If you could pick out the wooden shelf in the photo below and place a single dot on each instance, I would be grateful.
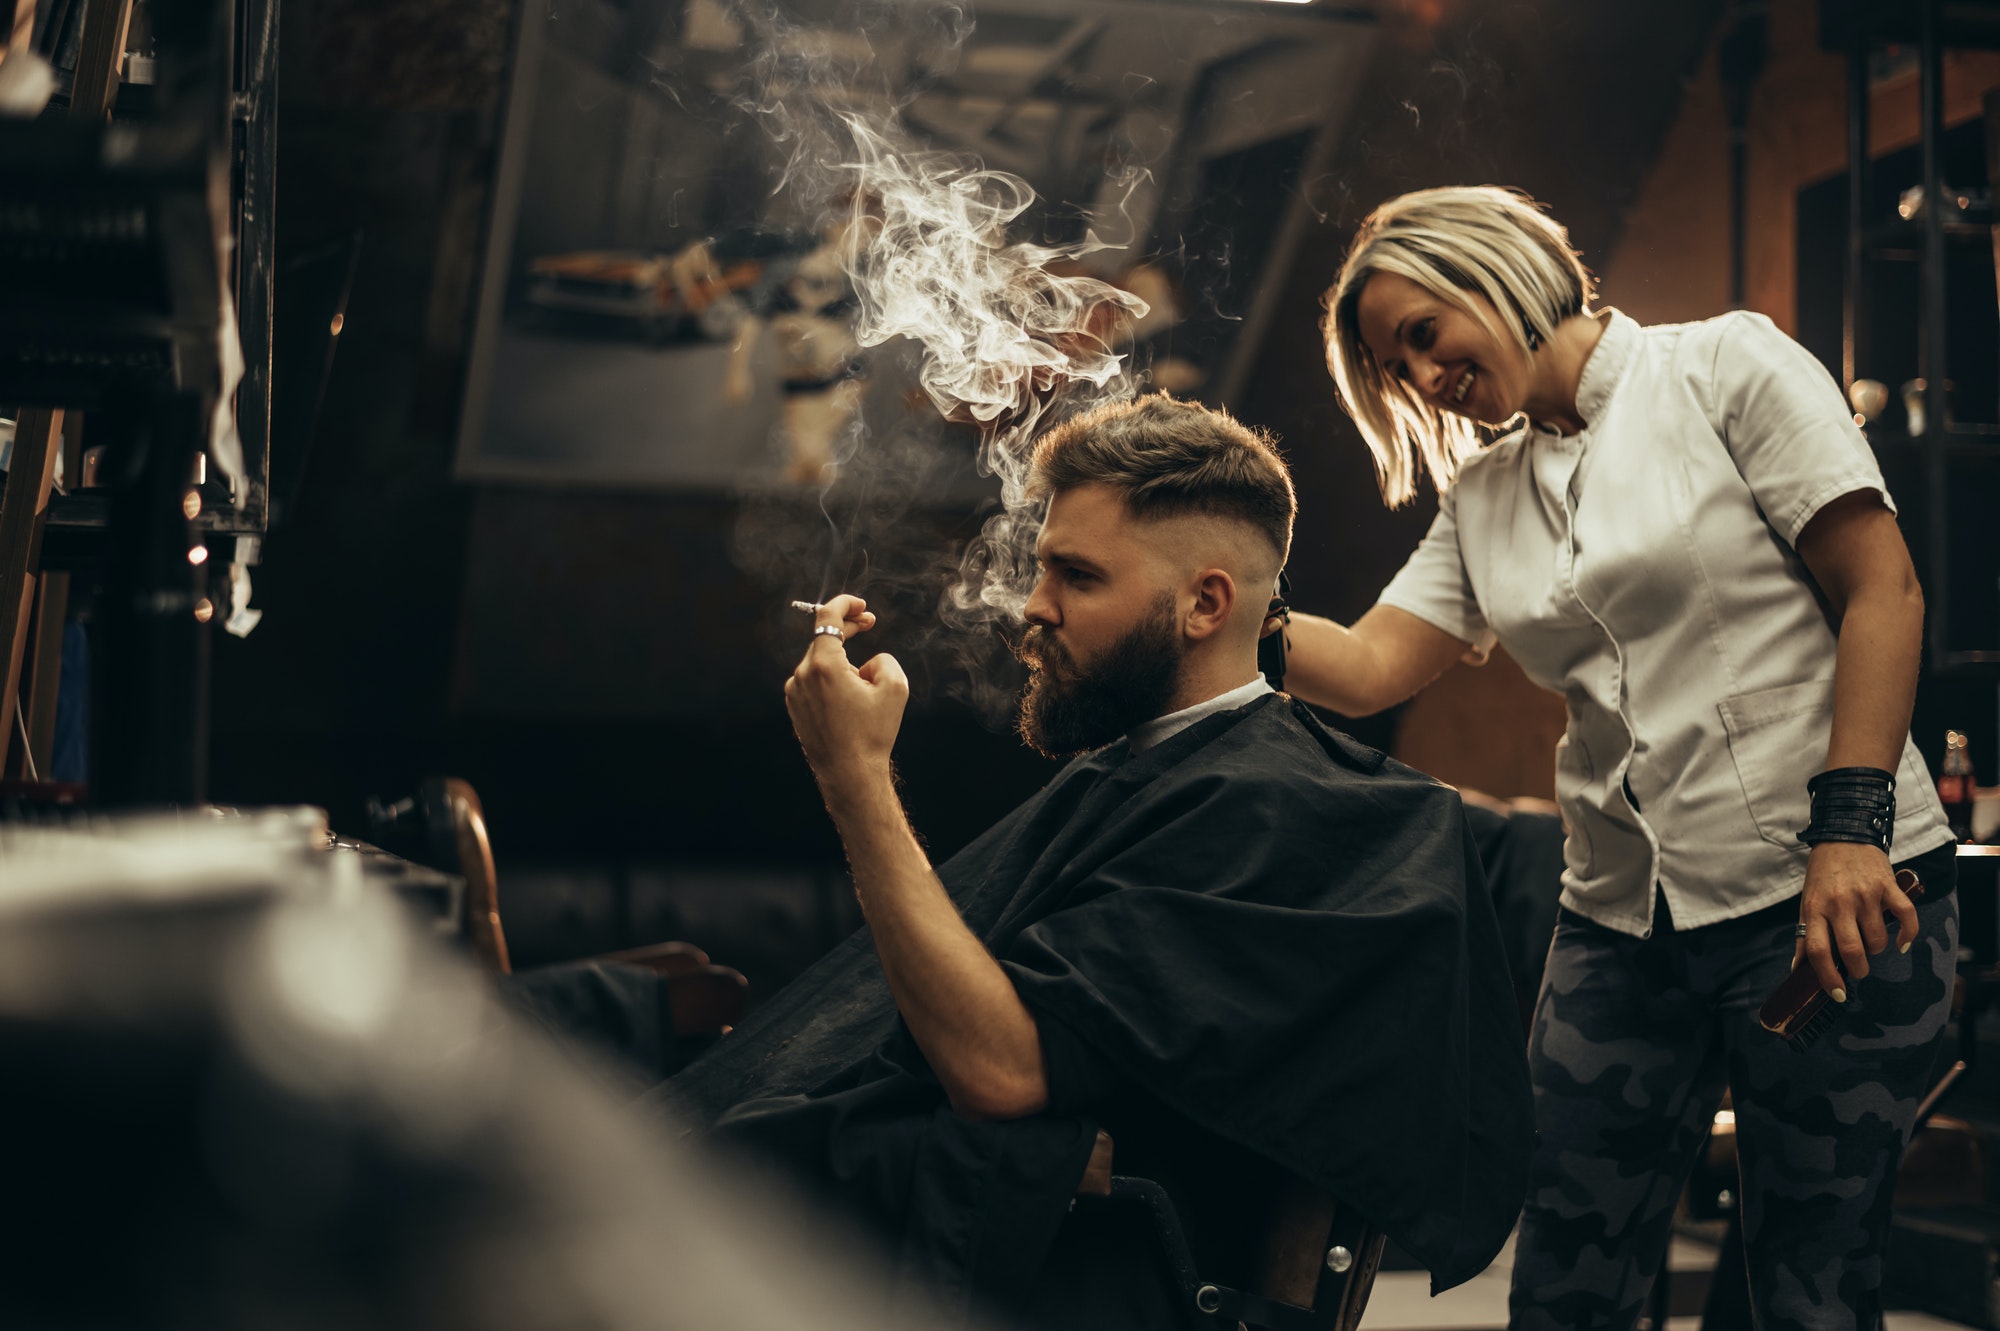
(1960, 441)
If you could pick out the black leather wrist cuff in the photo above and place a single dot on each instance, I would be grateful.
(1842, 776)
(1855, 804)
(1858, 838)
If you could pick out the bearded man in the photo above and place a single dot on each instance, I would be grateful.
(1242, 943)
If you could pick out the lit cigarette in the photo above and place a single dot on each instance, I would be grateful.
(807, 606)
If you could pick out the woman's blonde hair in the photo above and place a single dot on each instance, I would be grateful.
(1453, 242)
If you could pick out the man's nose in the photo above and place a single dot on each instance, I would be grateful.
(1041, 607)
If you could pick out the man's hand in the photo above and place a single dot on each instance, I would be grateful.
(1849, 886)
(846, 719)
(961, 1008)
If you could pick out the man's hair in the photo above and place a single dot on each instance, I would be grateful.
(1453, 242)
(1171, 459)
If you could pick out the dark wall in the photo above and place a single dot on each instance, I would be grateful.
(1966, 598)
(1569, 101)
(386, 121)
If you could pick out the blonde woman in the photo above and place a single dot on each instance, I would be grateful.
(1681, 531)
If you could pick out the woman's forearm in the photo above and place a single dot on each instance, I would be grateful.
(1384, 658)
(1855, 553)
(1848, 890)
(1875, 676)
(1327, 665)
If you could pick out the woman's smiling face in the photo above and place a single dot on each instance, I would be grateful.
(1445, 354)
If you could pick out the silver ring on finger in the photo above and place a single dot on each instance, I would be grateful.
(829, 630)
(1798, 931)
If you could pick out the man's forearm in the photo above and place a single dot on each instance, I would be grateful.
(964, 1012)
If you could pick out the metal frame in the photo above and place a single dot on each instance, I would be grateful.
(254, 116)
(1352, 1254)
(139, 227)
(1858, 26)
(247, 103)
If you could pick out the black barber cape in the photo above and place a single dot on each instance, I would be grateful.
(1267, 929)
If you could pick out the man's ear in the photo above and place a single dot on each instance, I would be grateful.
(1214, 602)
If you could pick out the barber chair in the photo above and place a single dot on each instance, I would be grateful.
(707, 999)
(444, 826)
(1316, 1259)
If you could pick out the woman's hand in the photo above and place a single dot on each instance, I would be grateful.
(1849, 888)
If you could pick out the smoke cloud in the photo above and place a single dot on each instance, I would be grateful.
(1009, 335)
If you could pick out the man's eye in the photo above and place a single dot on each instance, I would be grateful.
(1077, 575)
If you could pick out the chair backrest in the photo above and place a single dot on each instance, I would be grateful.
(1347, 1260)
(1318, 1264)
(444, 826)
(1295, 1245)
(1317, 1260)
(465, 819)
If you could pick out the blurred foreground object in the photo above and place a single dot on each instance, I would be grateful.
(251, 1092)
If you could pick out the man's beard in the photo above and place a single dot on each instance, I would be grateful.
(1066, 710)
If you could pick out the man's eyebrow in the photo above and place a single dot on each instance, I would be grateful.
(1070, 558)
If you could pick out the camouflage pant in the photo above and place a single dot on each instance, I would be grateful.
(1634, 1040)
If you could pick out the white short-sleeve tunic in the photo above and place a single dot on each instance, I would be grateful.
(1644, 569)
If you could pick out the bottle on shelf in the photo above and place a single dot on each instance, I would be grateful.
(1955, 785)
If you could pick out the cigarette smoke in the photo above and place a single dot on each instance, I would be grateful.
(1002, 335)
(1010, 336)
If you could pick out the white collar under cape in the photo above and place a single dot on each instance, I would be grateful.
(1145, 735)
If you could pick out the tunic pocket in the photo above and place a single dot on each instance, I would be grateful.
(1777, 738)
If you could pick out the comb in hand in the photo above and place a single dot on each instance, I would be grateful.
(1801, 1011)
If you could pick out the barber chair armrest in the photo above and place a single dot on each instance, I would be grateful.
(674, 958)
(709, 1001)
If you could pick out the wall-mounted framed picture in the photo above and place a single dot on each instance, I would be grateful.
(661, 308)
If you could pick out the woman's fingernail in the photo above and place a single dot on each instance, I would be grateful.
(1795, 963)
(1838, 995)
(1906, 945)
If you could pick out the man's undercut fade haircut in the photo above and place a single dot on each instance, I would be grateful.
(1172, 459)
(1453, 242)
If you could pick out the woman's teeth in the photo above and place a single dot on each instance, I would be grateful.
(1464, 387)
